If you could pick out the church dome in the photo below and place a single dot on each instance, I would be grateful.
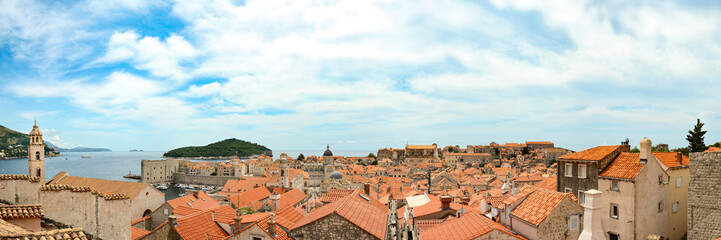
(327, 151)
(336, 175)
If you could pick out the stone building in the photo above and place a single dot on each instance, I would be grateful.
(676, 166)
(319, 172)
(355, 216)
(539, 145)
(36, 154)
(578, 172)
(704, 215)
(635, 196)
(463, 158)
(143, 197)
(415, 154)
(158, 171)
(542, 214)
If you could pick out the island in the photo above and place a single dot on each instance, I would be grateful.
(224, 149)
(84, 149)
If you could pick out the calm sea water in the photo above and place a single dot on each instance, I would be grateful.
(114, 165)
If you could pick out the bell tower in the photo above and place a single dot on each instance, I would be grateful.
(36, 154)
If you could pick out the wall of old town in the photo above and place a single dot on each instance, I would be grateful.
(148, 200)
(332, 226)
(574, 183)
(556, 225)
(19, 189)
(201, 180)
(158, 171)
(704, 197)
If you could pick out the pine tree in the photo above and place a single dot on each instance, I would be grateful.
(695, 138)
(301, 157)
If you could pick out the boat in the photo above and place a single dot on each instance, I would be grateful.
(86, 156)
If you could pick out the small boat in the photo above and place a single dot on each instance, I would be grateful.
(86, 156)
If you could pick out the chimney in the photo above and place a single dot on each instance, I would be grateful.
(237, 223)
(446, 202)
(592, 229)
(465, 200)
(367, 189)
(173, 221)
(274, 201)
(195, 194)
(271, 225)
(645, 150)
(173, 233)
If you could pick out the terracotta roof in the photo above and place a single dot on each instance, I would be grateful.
(467, 154)
(335, 194)
(201, 201)
(18, 177)
(137, 233)
(625, 166)
(255, 217)
(199, 226)
(104, 195)
(536, 207)
(470, 225)
(713, 149)
(291, 198)
(549, 183)
(131, 189)
(247, 197)
(369, 215)
(421, 146)
(21, 211)
(243, 184)
(672, 159)
(538, 142)
(431, 207)
(528, 178)
(592, 154)
(9, 231)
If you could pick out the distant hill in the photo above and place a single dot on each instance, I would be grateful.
(14, 144)
(83, 149)
(226, 148)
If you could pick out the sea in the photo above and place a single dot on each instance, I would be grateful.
(114, 165)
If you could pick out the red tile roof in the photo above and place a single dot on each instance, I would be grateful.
(625, 166)
(243, 184)
(137, 233)
(470, 225)
(200, 201)
(334, 194)
(713, 149)
(369, 215)
(291, 198)
(672, 159)
(538, 205)
(21, 211)
(549, 183)
(199, 226)
(245, 198)
(431, 207)
(592, 154)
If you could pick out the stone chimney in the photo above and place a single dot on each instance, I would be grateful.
(271, 225)
(446, 202)
(237, 224)
(645, 150)
(172, 233)
(274, 201)
(592, 229)
(367, 189)
(173, 221)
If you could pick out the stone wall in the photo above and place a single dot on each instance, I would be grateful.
(105, 219)
(158, 171)
(496, 235)
(329, 227)
(18, 189)
(164, 232)
(574, 183)
(556, 225)
(704, 196)
(201, 180)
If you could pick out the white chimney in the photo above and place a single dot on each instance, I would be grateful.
(645, 149)
(592, 229)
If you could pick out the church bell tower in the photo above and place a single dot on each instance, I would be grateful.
(36, 154)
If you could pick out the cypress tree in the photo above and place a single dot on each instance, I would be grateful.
(695, 138)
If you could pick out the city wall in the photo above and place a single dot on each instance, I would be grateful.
(201, 180)
(704, 198)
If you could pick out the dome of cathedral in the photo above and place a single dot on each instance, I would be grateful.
(336, 175)
(327, 151)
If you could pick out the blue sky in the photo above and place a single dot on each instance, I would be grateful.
(360, 74)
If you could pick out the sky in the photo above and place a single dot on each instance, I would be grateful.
(360, 75)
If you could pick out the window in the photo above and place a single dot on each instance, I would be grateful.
(38, 172)
(165, 211)
(568, 190)
(660, 206)
(679, 182)
(257, 238)
(581, 197)
(573, 223)
(661, 179)
(582, 171)
(612, 236)
(569, 170)
(614, 185)
(674, 207)
(614, 211)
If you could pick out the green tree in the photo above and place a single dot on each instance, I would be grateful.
(635, 150)
(683, 150)
(695, 138)
(301, 157)
(717, 144)
(525, 151)
(371, 155)
(375, 162)
(245, 210)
